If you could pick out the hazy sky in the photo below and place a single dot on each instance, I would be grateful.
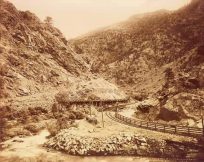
(77, 17)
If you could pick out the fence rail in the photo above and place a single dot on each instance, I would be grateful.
(180, 130)
(98, 101)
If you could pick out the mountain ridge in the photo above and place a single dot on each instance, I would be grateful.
(137, 54)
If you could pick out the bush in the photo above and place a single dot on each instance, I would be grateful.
(33, 128)
(2, 49)
(78, 115)
(41, 110)
(3, 93)
(63, 122)
(59, 110)
(3, 73)
(3, 122)
(53, 128)
(3, 70)
(37, 111)
(92, 120)
(140, 96)
(14, 61)
(62, 98)
(70, 116)
(144, 108)
(21, 115)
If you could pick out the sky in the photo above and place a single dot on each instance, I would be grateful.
(78, 17)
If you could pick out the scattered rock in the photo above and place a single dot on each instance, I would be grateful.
(120, 144)
(18, 140)
(24, 91)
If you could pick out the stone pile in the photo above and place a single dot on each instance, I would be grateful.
(120, 144)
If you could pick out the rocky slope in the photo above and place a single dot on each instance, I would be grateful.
(36, 60)
(138, 53)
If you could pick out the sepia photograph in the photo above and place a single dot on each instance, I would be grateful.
(101, 80)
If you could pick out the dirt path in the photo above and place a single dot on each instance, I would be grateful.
(128, 113)
(25, 147)
(114, 127)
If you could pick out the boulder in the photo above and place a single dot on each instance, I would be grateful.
(24, 91)
(182, 106)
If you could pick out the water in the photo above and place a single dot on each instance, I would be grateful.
(120, 159)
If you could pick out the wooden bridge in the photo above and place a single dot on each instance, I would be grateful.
(166, 128)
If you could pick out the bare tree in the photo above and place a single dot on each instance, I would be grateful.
(48, 20)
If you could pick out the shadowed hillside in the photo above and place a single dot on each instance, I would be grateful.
(137, 55)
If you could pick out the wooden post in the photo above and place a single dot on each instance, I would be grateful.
(201, 113)
(188, 130)
(102, 114)
(155, 126)
(203, 124)
(116, 110)
(164, 129)
(202, 119)
(90, 108)
(175, 129)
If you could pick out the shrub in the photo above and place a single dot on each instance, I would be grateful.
(2, 49)
(14, 60)
(48, 20)
(3, 122)
(140, 96)
(78, 115)
(20, 114)
(3, 73)
(62, 98)
(92, 120)
(169, 75)
(3, 70)
(37, 111)
(53, 128)
(71, 116)
(3, 93)
(41, 110)
(144, 108)
(33, 128)
(35, 118)
(63, 122)
(56, 110)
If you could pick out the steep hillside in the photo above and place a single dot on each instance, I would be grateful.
(137, 54)
(36, 60)
(142, 44)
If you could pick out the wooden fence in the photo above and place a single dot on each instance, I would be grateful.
(97, 101)
(180, 130)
